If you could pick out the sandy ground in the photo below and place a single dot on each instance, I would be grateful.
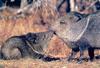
(30, 63)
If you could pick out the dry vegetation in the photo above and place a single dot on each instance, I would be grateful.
(32, 23)
(30, 63)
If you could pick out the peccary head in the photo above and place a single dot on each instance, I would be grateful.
(70, 27)
(39, 41)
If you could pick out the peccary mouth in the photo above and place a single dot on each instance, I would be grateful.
(55, 33)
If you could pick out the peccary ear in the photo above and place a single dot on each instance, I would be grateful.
(29, 37)
(76, 16)
(78, 29)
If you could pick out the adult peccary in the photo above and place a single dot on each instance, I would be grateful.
(79, 34)
(29, 45)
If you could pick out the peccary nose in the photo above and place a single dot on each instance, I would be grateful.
(54, 32)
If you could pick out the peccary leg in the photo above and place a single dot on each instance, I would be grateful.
(81, 56)
(91, 53)
(71, 57)
(24, 51)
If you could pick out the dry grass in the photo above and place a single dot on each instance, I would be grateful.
(17, 27)
(32, 23)
(31, 63)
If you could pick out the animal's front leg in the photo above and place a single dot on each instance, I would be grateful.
(24, 51)
(71, 57)
(81, 56)
(91, 53)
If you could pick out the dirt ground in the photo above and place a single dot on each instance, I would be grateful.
(30, 63)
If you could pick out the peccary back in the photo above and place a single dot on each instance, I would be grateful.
(29, 45)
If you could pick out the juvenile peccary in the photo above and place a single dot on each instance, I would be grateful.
(79, 35)
(29, 45)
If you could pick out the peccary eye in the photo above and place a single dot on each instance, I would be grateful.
(62, 22)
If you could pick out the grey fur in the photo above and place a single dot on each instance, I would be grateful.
(80, 35)
(29, 45)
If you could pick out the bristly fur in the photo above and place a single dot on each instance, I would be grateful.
(29, 45)
(70, 29)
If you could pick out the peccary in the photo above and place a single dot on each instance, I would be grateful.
(79, 34)
(29, 45)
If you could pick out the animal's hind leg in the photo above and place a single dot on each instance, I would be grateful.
(71, 57)
(14, 48)
(81, 56)
(10, 53)
(24, 51)
(91, 53)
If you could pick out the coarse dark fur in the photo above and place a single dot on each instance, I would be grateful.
(29, 45)
(69, 27)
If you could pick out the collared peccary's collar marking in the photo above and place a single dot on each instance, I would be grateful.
(70, 29)
(38, 42)
(80, 35)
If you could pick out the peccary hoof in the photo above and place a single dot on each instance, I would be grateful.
(70, 59)
(80, 61)
(91, 60)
